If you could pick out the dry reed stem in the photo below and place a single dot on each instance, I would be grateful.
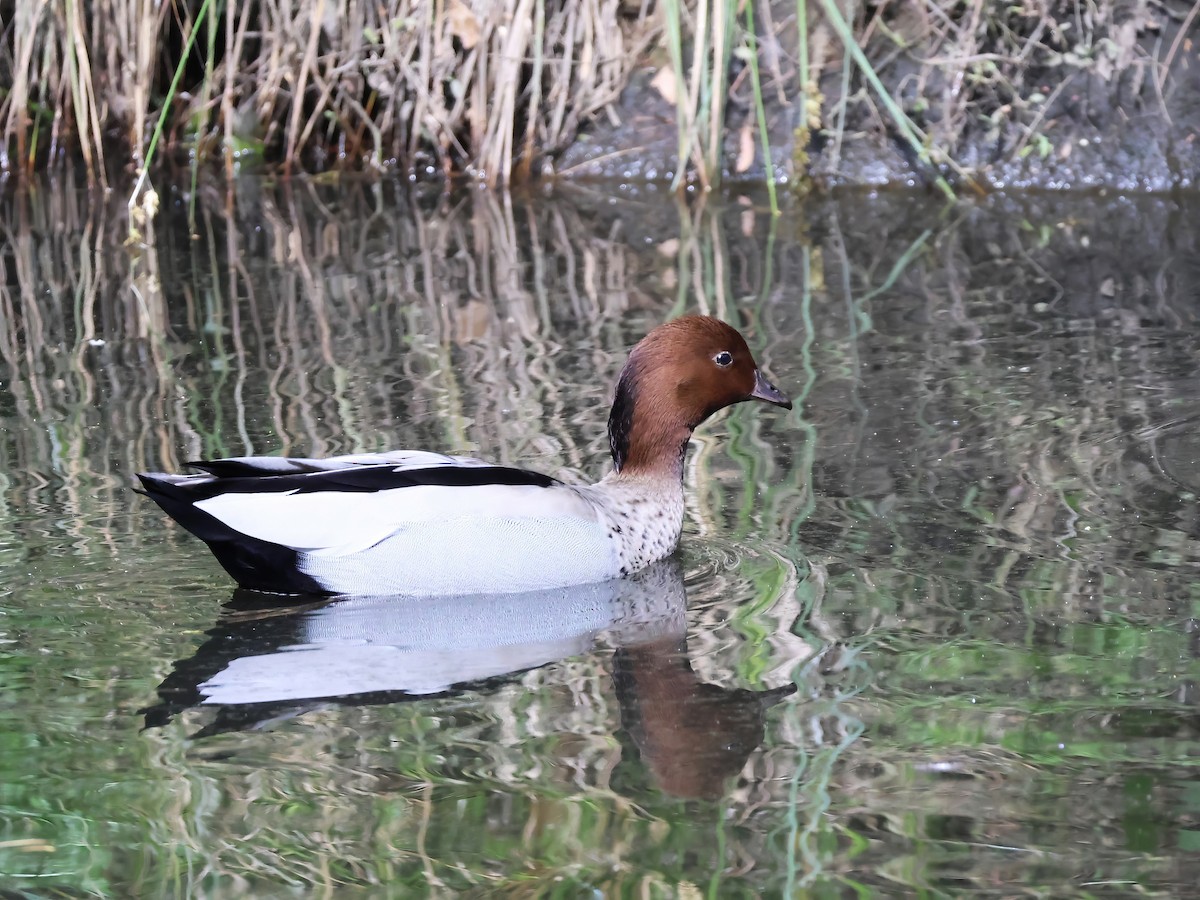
(473, 85)
(488, 87)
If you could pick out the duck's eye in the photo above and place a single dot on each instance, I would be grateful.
(723, 359)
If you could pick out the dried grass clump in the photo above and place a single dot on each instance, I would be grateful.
(472, 86)
(491, 88)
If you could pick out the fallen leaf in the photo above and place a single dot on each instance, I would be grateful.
(745, 157)
(664, 82)
(464, 24)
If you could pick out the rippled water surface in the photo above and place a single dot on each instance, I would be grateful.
(934, 630)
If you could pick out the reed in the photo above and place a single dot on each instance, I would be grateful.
(470, 86)
(493, 89)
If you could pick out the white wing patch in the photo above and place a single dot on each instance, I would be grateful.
(338, 523)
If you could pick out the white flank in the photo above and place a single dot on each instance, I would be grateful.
(337, 523)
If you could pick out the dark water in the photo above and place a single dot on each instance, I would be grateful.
(935, 630)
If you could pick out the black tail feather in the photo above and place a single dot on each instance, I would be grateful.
(253, 563)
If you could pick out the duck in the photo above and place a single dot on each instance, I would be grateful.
(421, 523)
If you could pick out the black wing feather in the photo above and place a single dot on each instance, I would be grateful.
(237, 468)
(357, 479)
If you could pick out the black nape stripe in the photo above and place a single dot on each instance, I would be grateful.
(620, 417)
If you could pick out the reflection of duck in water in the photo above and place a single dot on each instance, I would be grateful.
(264, 663)
(419, 523)
(692, 736)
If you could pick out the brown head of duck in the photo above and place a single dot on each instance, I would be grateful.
(676, 377)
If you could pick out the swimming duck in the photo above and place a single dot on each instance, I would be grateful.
(420, 523)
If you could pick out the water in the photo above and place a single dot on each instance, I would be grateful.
(934, 630)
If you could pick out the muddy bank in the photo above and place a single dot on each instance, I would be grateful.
(1031, 96)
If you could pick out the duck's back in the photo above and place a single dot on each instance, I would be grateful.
(397, 523)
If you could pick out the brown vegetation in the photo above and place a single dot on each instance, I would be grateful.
(496, 90)
(463, 86)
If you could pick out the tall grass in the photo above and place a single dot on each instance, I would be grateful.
(494, 89)
(485, 88)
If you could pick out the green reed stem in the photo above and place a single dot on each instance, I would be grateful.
(166, 107)
(206, 93)
(903, 123)
(802, 50)
(674, 27)
(760, 111)
(715, 79)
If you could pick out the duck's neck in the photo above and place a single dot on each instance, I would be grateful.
(647, 437)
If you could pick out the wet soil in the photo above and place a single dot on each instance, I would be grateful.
(1120, 110)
